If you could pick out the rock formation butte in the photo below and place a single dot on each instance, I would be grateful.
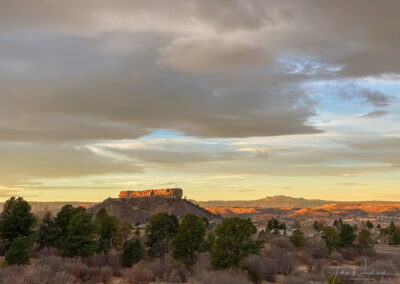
(167, 192)
(139, 206)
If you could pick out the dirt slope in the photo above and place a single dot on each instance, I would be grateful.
(141, 209)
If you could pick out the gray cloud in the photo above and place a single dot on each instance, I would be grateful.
(21, 163)
(126, 96)
(114, 70)
(339, 34)
(374, 114)
(379, 144)
(376, 99)
(372, 98)
(342, 159)
(209, 54)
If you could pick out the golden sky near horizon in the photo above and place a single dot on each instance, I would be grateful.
(226, 99)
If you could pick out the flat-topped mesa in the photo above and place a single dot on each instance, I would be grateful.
(167, 192)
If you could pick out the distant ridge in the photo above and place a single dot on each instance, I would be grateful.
(346, 209)
(282, 201)
(276, 201)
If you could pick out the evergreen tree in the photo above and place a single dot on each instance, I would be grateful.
(209, 242)
(233, 242)
(395, 237)
(16, 220)
(347, 235)
(122, 234)
(107, 227)
(62, 221)
(272, 224)
(369, 225)
(318, 226)
(47, 234)
(160, 229)
(189, 239)
(19, 251)
(331, 238)
(80, 236)
(391, 228)
(206, 221)
(364, 239)
(297, 239)
(133, 252)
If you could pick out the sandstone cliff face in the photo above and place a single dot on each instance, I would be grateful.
(168, 192)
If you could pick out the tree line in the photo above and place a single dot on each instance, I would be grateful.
(74, 232)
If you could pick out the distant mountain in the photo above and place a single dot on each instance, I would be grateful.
(278, 201)
(250, 211)
(350, 209)
(226, 211)
(140, 210)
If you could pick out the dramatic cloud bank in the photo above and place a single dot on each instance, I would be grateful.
(316, 83)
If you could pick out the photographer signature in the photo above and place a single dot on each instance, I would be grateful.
(356, 274)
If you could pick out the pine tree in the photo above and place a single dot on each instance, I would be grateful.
(47, 233)
(16, 220)
(133, 252)
(233, 241)
(189, 239)
(160, 229)
(80, 236)
(19, 251)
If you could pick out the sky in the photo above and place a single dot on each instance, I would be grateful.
(226, 99)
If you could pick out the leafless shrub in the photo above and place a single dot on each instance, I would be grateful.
(98, 271)
(34, 274)
(393, 258)
(350, 253)
(361, 260)
(386, 269)
(163, 268)
(63, 277)
(138, 274)
(371, 254)
(11, 274)
(301, 278)
(316, 248)
(203, 262)
(282, 243)
(261, 267)
(218, 277)
(44, 252)
(337, 257)
(317, 265)
(175, 276)
(112, 259)
(106, 272)
(285, 261)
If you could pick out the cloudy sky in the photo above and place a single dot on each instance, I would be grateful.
(227, 99)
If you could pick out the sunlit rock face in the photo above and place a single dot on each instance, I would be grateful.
(167, 192)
